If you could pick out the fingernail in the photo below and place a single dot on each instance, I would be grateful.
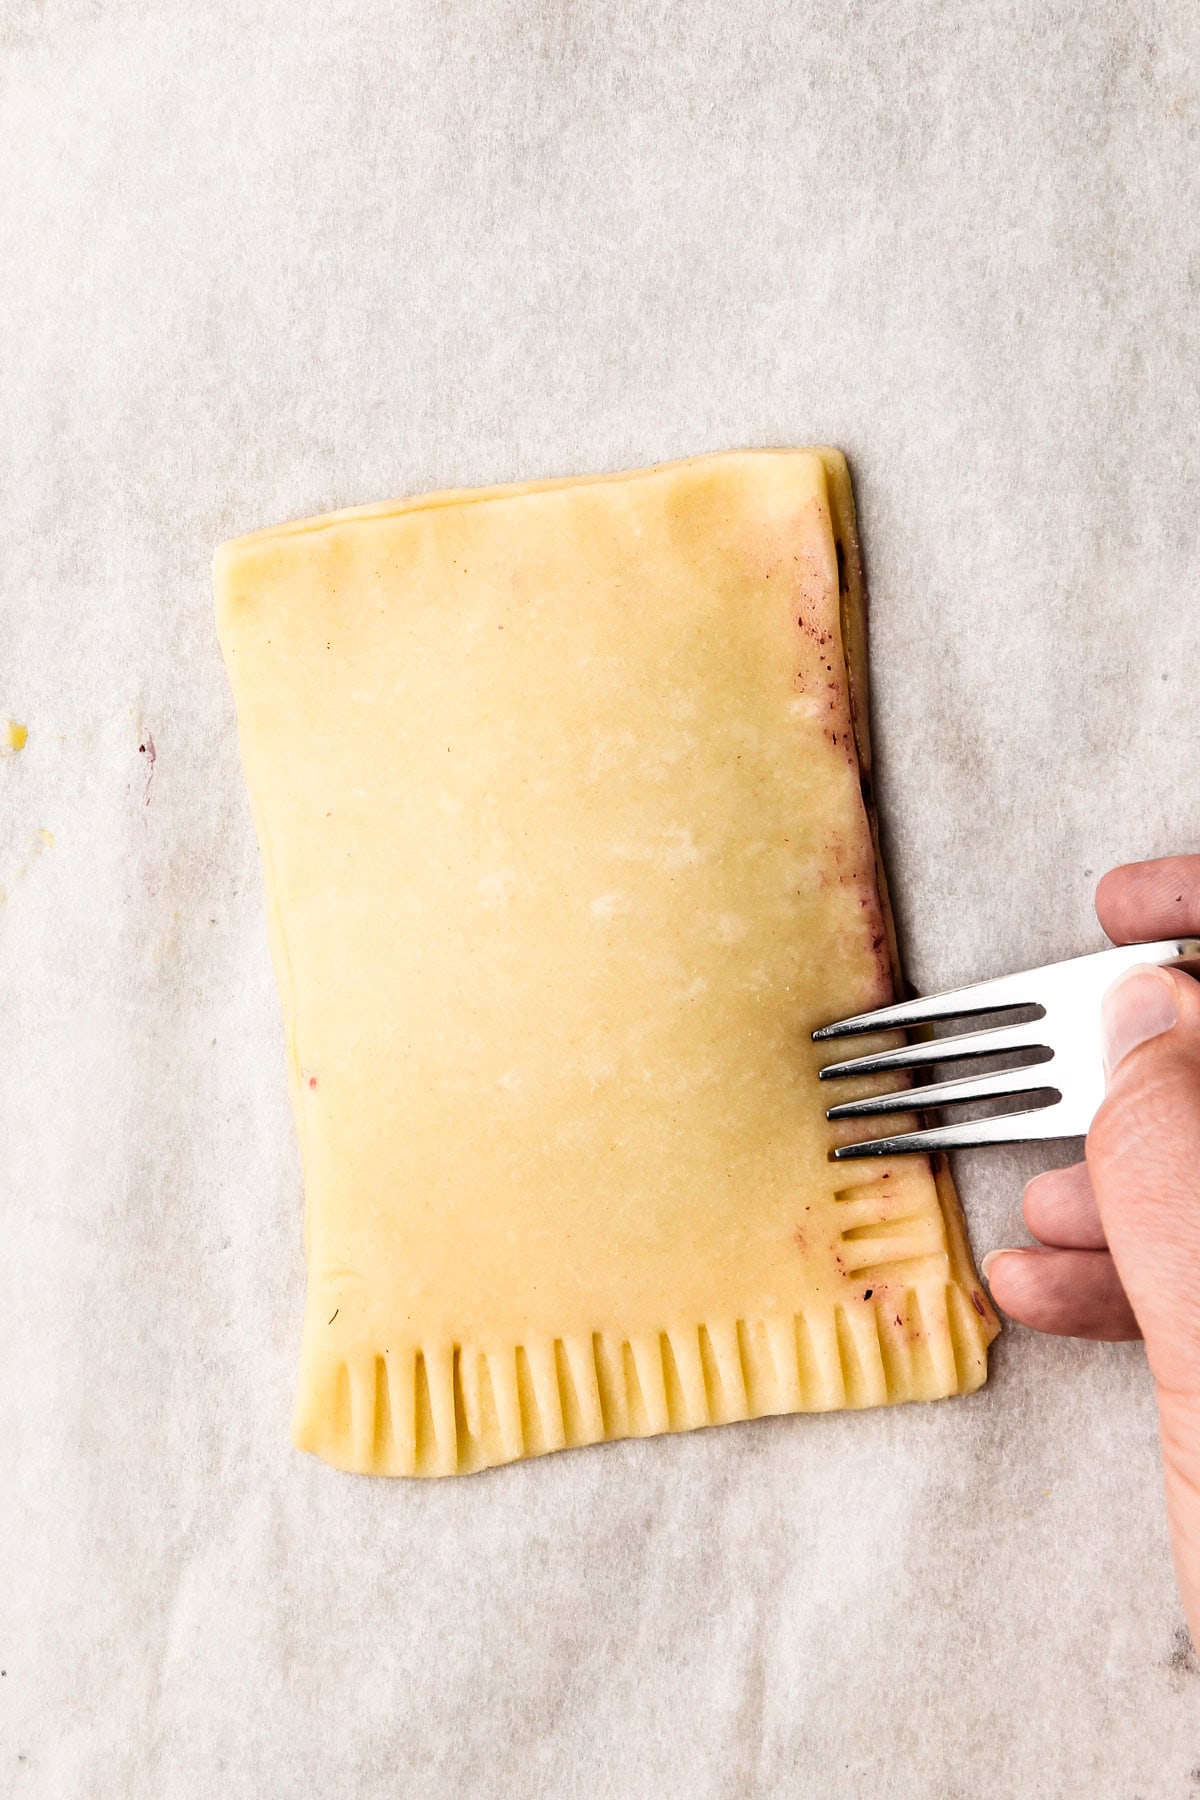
(1139, 1006)
(991, 1257)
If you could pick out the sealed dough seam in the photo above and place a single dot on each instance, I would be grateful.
(454, 1408)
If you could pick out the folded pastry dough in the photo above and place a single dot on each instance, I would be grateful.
(562, 795)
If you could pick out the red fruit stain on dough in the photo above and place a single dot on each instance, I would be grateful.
(977, 1303)
(312, 1081)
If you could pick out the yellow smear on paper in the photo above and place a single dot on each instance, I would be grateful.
(42, 839)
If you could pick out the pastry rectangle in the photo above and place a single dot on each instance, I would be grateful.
(562, 796)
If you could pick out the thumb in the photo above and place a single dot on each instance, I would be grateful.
(1143, 1155)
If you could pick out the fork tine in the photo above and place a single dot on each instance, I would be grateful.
(1004, 1084)
(946, 1049)
(1010, 1128)
(980, 997)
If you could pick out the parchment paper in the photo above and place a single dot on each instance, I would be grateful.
(259, 260)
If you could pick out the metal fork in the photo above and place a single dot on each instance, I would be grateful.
(1062, 1073)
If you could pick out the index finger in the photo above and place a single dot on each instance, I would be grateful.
(1139, 902)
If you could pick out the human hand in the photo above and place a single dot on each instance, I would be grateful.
(1119, 1253)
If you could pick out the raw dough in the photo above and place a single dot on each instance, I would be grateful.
(562, 797)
